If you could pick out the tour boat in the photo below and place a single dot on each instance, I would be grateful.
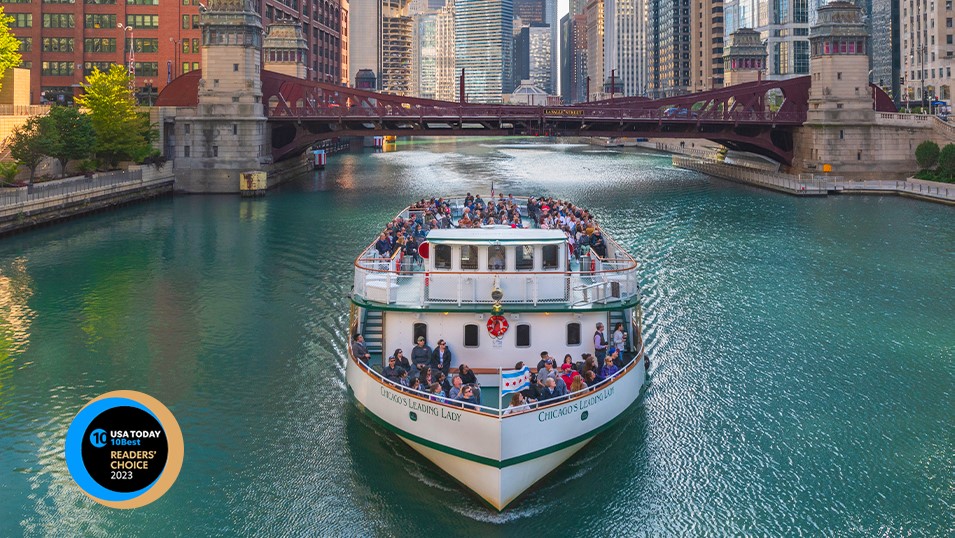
(497, 295)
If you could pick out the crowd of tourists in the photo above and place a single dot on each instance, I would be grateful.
(407, 233)
(429, 370)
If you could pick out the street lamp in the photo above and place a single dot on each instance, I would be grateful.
(132, 53)
(149, 91)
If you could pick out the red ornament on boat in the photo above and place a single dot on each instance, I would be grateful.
(497, 326)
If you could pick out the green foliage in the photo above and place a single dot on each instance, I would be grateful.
(8, 171)
(31, 142)
(74, 134)
(946, 162)
(88, 166)
(9, 45)
(926, 154)
(120, 131)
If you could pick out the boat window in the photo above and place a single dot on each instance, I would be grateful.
(573, 334)
(523, 332)
(495, 258)
(525, 258)
(471, 335)
(442, 256)
(469, 258)
(549, 257)
(419, 329)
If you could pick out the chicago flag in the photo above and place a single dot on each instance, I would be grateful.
(515, 381)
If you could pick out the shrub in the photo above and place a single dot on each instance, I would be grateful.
(946, 162)
(8, 171)
(926, 154)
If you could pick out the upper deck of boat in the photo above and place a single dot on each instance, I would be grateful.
(533, 268)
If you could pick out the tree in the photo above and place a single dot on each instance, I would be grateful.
(9, 45)
(112, 109)
(946, 162)
(926, 154)
(8, 171)
(31, 142)
(74, 136)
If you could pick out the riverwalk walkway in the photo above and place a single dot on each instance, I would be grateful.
(24, 207)
(817, 185)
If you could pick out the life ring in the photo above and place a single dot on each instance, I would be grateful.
(497, 326)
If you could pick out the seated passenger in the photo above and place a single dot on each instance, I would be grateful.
(469, 398)
(467, 376)
(404, 379)
(567, 374)
(550, 391)
(549, 371)
(427, 377)
(383, 245)
(444, 382)
(391, 372)
(568, 360)
(455, 391)
(401, 361)
(414, 383)
(518, 404)
(532, 392)
(578, 383)
(359, 350)
(590, 364)
(437, 395)
(609, 368)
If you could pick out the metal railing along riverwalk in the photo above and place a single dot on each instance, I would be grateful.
(18, 196)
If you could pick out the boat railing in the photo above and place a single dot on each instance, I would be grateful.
(502, 412)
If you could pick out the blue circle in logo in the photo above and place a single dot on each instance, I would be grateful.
(98, 438)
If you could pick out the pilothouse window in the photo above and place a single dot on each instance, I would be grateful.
(525, 258)
(549, 257)
(469, 258)
(495, 258)
(442, 257)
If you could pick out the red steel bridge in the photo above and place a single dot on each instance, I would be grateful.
(302, 112)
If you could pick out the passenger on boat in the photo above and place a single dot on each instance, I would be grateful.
(518, 404)
(437, 395)
(597, 244)
(469, 397)
(551, 390)
(401, 361)
(456, 384)
(549, 371)
(443, 380)
(359, 350)
(414, 384)
(568, 361)
(591, 378)
(467, 376)
(590, 364)
(609, 368)
(421, 355)
(568, 374)
(392, 372)
(619, 337)
(404, 379)
(441, 357)
(383, 245)
(600, 342)
(427, 377)
(544, 356)
(578, 383)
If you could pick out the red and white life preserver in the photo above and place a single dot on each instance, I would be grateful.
(497, 326)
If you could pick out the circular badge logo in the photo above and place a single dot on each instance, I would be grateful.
(124, 449)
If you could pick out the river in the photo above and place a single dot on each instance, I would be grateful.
(803, 378)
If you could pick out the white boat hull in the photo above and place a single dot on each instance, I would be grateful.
(498, 458)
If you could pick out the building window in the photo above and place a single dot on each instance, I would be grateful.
(573, 334)
(235, 67)
(146, 69)
(99, 44)
(21, 20)
(142, 2)
(142, 21)
(59, 20)
(188, 128)
(469, 258)
(101, 2)
(186, 150)
(26, 44)
(195, 45)
(215, 151)
(471, 331)
(523, 333)
(442, 257)
(185, 22)
(57, 69)
(524, 260)
(99, 21)
(57, 44)
(89, 67)
(143, 44)
(842, 134)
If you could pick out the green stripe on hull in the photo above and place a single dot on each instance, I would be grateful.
(492, 462)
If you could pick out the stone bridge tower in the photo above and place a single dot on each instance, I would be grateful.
(227, 134)
(285, 49)
(744, 57)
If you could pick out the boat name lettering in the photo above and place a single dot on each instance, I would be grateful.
(423, 407)
(579, 405)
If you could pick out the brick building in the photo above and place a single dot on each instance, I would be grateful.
(63, 40)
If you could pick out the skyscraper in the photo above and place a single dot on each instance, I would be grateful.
(670, 31)
(625, 45)
(483, 43)
(706, 50)
(886, 49)
(446, 64)
(927, 51)
(539, 59)
(425, 55)
(594, 13)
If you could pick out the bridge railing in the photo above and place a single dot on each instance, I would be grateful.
(475, 112)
